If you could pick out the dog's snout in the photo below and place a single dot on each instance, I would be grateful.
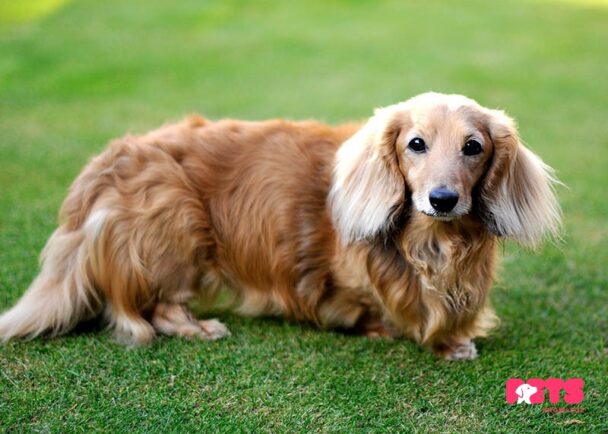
(443, 199)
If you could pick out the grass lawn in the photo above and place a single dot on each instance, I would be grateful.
(74, 77)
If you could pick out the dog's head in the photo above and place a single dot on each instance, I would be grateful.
(446, 157)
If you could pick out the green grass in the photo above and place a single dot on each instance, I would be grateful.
(93, 70)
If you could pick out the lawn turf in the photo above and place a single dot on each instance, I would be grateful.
(74, 77)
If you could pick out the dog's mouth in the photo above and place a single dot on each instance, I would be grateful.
(441, 216)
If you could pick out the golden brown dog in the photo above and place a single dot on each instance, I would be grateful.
(388, 228)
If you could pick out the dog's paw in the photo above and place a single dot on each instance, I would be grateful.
(378, 330)
(463, 351)
(213, 329)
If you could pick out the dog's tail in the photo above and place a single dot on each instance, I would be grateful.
(63, 293)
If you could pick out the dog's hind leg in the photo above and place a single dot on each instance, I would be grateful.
(176, 320)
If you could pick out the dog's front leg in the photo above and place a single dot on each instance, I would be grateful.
(455, 349)
(456, 342)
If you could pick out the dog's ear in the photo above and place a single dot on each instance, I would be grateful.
(517, 197)
(368, 190)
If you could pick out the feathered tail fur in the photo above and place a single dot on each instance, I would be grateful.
(60, 296)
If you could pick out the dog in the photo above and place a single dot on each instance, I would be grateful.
(524, 392)
(386, 228)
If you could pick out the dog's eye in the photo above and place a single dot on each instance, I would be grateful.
(472, 147)
(417, 145)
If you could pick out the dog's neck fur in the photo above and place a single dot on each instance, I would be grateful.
(442, 252)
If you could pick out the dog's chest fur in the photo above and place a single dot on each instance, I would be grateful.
(434, 275)
(445, 258)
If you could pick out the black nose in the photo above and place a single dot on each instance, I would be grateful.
(443, 200)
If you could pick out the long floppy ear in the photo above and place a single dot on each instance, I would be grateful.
(517, 194)
(368, 189)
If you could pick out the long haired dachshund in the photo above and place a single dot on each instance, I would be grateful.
(387, 228)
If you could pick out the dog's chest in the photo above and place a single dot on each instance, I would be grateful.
(448, 266)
